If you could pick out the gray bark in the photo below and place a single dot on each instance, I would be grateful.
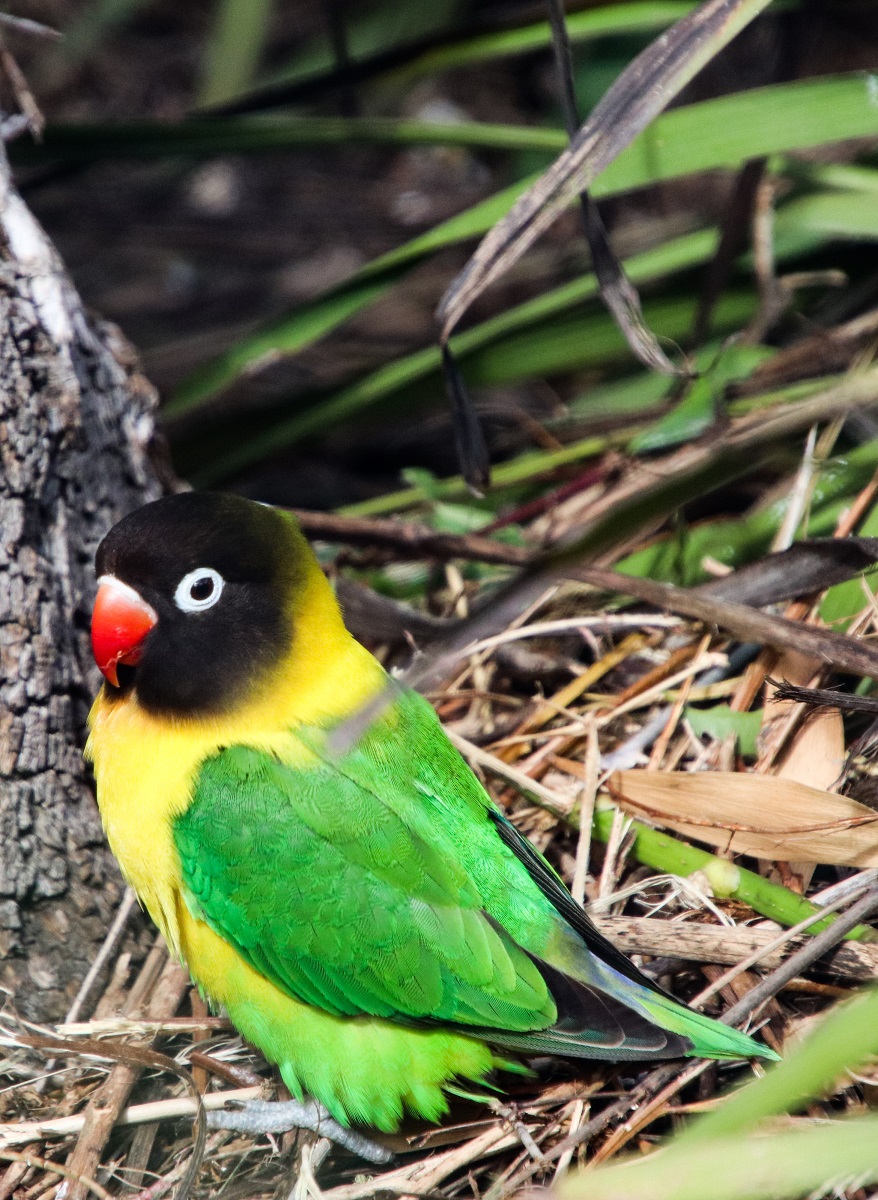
(77, 451)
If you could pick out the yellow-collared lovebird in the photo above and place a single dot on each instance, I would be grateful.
(372, 922)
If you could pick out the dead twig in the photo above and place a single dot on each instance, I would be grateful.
(802, 959)
(691, 941)
(53, 1168)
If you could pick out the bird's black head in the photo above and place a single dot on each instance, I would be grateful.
(196, 601)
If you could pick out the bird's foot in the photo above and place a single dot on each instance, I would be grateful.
(265, 1116)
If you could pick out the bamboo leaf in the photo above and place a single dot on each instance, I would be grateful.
(303, 81)
(608, 20)
(763, 815)
(843, 214)
(536, 338)
(845, 1040)
(741, 1162)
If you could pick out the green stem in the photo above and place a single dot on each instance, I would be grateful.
(667, 854)
(520, 470)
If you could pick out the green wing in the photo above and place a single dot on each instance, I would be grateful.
(343, 902)
(386, 883)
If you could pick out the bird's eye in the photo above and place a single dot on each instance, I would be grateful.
(199, 589)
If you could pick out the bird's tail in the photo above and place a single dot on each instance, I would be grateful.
(709, 1038)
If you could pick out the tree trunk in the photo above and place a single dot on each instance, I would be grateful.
(77, 451)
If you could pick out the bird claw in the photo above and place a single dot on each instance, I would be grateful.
(265, 1116)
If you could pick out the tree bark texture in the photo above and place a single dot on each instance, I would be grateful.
(77, 451)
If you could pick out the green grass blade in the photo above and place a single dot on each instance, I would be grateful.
(206, 137)
(844, 1040)
(695, 138)
(822, 1159)
(537, 337)
(740, 540)
(679, 557)
(851, 215)
(609, 21)
(727, 131)
(280, 337)
(236, 42)
(386, 27)
(842, 602)
(698, 137)
(525, 468)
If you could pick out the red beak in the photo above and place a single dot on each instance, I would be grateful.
(120, 621)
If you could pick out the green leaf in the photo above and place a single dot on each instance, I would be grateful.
(843, 214)
(609, 20)
(720, 721)
(822, 1159)
(733, 541)
(458, 518)
(697, 410)
(630, 396)
(843, 1041)
(714, 133)
(239, 33)
(842, 602)
(203, 137)
(569, 339)
(525, 468)
(283, 336)
(368, 32)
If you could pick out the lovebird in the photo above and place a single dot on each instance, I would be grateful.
(369, 919)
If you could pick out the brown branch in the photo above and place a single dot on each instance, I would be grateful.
(803, 958)
(748, 624)
(83, 1182)
(825, 698)
(856, 962)
(409, 538)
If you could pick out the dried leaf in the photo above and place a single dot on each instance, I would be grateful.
(816, 752)
(639, 94)
(761, 815)
(469, 438)
(617, 291)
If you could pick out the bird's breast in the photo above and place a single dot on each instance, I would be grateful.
(145, 773)
(146, 765)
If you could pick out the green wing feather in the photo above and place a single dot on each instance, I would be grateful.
(386, 883)
(333, 897)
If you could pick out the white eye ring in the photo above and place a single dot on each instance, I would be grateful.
(183, 597)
